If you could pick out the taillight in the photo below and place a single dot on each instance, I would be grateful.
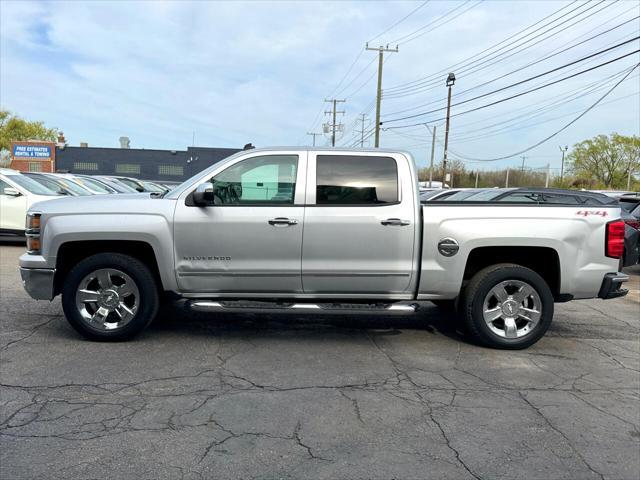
(614, 239)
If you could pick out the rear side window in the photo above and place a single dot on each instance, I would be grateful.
(356, 180)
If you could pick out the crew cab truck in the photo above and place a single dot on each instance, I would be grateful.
(319, 231)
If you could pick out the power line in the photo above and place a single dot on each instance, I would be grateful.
(399, 21)
(529, 125)
(421, 142)
(516, 95)
(552, 102)
(357, 76)
(468, 69)
(423, 30)
(475, 87)
(556, 132)
(415, 107)
(478, 56)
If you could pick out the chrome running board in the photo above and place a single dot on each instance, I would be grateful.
(394, 308)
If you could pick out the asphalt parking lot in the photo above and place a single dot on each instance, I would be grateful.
(245, 396)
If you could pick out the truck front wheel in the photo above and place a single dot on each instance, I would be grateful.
(110, 297)
(506, 306)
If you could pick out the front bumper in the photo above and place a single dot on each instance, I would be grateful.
(38, 282)
(611, 286)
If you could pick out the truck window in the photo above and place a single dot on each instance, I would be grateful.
(264, 180)
(356, 180)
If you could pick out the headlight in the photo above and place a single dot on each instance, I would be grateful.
(32, 233)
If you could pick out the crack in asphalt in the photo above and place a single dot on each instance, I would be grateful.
(55, 418)
(562, 434)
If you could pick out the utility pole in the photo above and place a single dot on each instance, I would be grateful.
(314, 137)
(629, 174)
(523, 159)
(563, 150)
(433, 150)
(476, 179)
(333, 126)
(451, 80)
(546, 182)
(506, 180)
(363, 120)
(380, 51)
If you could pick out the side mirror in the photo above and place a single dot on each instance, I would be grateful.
(140, 189)
(12, 192)
(203, 195)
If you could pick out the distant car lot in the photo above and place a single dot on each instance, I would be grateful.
(283, 396)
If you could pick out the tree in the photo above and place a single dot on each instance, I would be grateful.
(606, 161)
(14, 128)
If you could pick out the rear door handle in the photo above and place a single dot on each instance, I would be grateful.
(282, 222)
(395, 222)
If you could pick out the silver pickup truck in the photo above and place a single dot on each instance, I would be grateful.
(320, 231)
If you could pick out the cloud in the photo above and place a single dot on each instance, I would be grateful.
(235, 72)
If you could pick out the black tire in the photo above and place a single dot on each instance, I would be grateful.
(136, 270)
(472, 303)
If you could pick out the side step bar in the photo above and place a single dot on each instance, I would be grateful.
(321, 308)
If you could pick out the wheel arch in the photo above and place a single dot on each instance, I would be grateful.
(72, 252)
(545, 261)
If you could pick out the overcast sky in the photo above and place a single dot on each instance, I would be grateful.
(239, 72)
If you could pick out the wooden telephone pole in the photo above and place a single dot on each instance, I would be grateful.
(380, 51)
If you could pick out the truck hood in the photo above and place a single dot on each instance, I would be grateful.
(126, 204)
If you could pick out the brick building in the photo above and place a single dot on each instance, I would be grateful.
(159, 165)
(33, 156)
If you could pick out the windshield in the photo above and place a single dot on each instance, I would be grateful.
(457, 196)
(484, 195)
(72, 186)
(120, 186)
(95, 185)
(152, 187)
(31, 185)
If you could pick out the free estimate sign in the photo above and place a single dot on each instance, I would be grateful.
(42, 152)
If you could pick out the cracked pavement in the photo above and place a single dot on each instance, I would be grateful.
(283, 396)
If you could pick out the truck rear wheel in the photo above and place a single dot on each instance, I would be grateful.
(110, 297)
(506, 306)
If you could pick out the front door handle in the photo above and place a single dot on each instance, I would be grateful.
(282, 222)
(395, 222)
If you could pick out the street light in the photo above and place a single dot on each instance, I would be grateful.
(451, 80)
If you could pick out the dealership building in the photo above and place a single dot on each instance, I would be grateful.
(159, 165)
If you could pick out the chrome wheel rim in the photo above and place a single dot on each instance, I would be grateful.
(512, 309)
(107, 299)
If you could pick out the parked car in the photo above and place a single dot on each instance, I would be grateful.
(555, 196)
(153, 187)
(230, 239)
(613, 193)
(629, 202)
(95, 185)
(57, 184)
(168, 185)
(440, 193)
(116, 184)
(133, 183)
(17, 193)
(630, 206)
